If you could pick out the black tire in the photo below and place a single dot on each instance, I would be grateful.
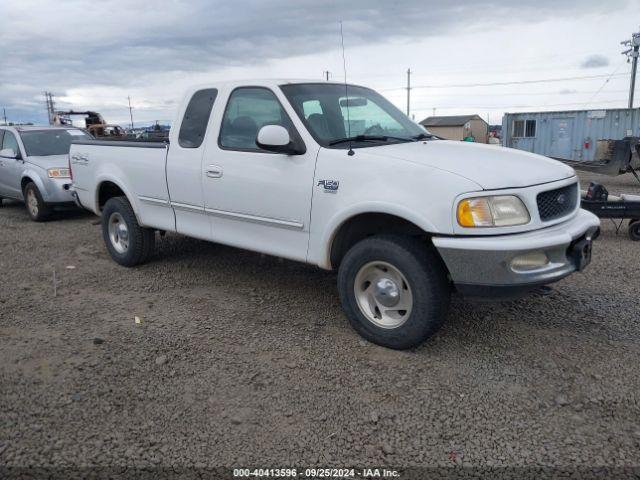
(39, 211)
(634, 230)
(426, 279)
(140, 241)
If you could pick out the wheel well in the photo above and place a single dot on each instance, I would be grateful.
(364, 225)
(24, 182)
(108, 190)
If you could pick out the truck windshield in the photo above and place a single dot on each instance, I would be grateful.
(328, 111)
(42, 143)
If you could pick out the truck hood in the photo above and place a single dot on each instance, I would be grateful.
(491, 166)
(50, 161)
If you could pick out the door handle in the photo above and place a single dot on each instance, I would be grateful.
(213, 171)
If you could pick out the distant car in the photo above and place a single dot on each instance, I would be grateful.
(34, 167)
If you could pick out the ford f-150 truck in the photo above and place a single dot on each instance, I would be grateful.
(336, 176)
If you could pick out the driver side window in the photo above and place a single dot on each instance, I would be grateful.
(248, 110)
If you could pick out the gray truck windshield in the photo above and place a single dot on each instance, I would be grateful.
(41, 143)
(361, 115)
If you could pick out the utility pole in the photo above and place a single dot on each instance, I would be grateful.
(408, 91)
(434, 111)
(4, 114)
(130, 112)
(51, 110)
(326, 74)
(632, 54)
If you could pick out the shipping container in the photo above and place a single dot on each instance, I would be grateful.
(568, 135)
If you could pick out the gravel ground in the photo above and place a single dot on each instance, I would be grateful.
(243, 360)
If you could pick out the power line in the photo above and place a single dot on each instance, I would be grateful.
(499, 107)
(604, 84)
(517, 82)
(525, 94)
(496, 67)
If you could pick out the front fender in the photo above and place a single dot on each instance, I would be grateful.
(36, 177)
(339, 219)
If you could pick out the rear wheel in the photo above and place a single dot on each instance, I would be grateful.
(128, 243)
(394, 290)
(36, 207)
(634, 230)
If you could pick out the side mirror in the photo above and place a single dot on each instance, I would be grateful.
(8, 153)
(276, 138)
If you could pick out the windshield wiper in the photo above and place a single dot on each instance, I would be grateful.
(422, 136)
(368, 138)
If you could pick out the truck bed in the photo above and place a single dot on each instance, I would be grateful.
(136, 168)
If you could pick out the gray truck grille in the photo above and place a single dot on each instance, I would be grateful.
(557, 203)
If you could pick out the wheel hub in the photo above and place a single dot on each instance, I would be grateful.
(383, 294)
(118, 233)
(123, 233)
(386, 292)
(32, 202)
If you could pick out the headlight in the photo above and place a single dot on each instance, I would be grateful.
(498, 211)
(58, 173)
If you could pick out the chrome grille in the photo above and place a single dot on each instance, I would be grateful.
(557, 203)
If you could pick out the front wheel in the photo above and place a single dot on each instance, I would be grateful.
(394, 290)
(36, 207)
(128, 243)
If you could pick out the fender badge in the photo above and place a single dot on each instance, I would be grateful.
(330, 186)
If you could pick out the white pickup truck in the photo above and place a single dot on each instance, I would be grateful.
(338, 177)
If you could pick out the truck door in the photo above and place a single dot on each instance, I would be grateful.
(256, 199)
(184, 166)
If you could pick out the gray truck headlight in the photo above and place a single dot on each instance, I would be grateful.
(494, 211)
(59, 173)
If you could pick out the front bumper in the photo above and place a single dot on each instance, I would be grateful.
(57, 190)
(482, 266)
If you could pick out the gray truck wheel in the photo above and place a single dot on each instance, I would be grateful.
(36, 207)
(394, 290)
(128, 243)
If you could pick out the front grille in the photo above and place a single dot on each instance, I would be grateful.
(557, 203)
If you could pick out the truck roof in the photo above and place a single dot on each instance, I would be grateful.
(266, 82)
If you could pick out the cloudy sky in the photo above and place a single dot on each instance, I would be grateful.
(466, 56)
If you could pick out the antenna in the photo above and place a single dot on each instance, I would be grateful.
(346, 91)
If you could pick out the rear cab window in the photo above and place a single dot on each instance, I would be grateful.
(196, 118)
